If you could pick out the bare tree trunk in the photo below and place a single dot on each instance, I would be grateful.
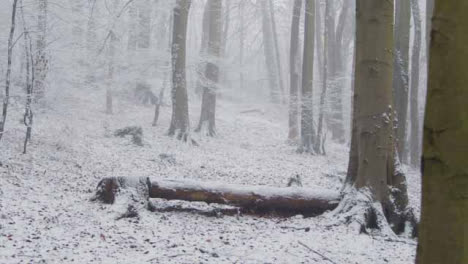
(180, 123)
(429, 12)
(110, 72)
(241, 44)
(226, 26)
(401, 72)
(91, 37)
(208, 108)
(41, 60)
(6, 99)
(336, 48)
(294, 72)
(307, 114)
(326, 62)
(415, 139)
(144, 24)
(223, 73)
(269, 49)
(372, 158)
(203, 51)
(444, 212)
(132, 42)
(28, 114)
(277, 50)
(166, 76)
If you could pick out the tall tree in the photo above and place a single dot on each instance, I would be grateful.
(6, 99)
(132, 27)
(112, 42)
(41, 60)
(144, 24)
(271, 8)
(269, 49)
(336, 47)
(180, 123)
(241, 44)
(326, 57)
(29, 82)
(210, 83)
(307, 106)
(294, 72)
(444, 215)
(401, 71)
(372, 158)
(91, 37)
(201, 66)
(415, 139)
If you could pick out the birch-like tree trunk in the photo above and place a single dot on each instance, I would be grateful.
(444, 213)
(180, 123)
(208, 109)
(401, 72)
(294, 72)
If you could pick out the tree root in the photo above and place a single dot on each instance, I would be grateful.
(359, 209)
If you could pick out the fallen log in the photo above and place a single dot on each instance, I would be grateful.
(259, 200)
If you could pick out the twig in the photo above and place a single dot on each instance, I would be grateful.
(316, 252)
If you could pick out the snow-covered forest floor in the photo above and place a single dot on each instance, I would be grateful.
(46, 215)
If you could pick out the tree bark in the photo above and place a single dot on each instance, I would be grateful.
(180, 113)
(325, 47)
(401, 73)
(277, 49)
(110, 73)
(201, 67)
(415, 139)
(6, 98)
(307, 114)
(444, 214)
(336, 48)
(91, 37)
(144, 24)
(132, 28)
(269, 50)
(241, 44)
(372, 157)
(41, 60)
(260, 200)
(208, 109)
(294, 72)
(28, 114)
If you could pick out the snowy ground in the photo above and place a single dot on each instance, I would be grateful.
(46, 215)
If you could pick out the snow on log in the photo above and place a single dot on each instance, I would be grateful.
(250, 199)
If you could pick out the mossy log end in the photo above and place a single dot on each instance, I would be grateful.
(258, 200)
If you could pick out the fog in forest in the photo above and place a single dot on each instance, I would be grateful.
(226, 131)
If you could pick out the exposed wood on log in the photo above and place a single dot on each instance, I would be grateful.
(260, 200)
